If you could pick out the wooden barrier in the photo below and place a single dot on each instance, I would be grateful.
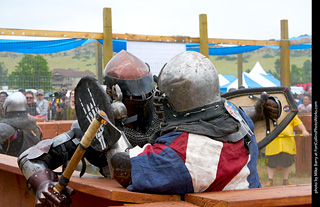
(272, 196)
(304, 148)
(92, 190)
(53, 128)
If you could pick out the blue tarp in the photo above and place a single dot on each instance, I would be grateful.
(41, 46)
(230, 50)
(53, 46)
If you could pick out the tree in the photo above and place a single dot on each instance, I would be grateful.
(31, 72)
(3, 75)
(307, 71)
(295, 75)
(277, 65)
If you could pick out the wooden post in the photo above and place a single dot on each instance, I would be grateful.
(285, 55)
(204, 47)
(107, 36)
(240, 69)
(99, 67)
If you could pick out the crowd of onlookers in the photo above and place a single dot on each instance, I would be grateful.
(304, 101)
(62, 107)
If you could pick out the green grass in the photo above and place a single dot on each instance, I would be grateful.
(294, 178)
(231, 67)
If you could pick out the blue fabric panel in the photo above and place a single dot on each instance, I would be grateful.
(117, 45)
(163, 173)
(41, 46)
(253, 178)
(52, 46)
(223, 50)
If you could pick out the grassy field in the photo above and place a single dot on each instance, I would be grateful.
(294, 178)
(230, 67)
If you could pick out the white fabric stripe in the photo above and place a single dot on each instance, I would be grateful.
(240, 180)
(202, 160)
(137, 150)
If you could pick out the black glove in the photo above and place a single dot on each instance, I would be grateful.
(41, 184)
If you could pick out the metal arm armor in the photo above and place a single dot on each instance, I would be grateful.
(49, 153)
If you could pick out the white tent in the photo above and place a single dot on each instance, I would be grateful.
(256, 78)
(258, 69)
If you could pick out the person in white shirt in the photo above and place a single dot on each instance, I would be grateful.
(306, 106)
(41, 106)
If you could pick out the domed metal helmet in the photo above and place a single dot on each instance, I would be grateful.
(190, 83)
(136, 83)
(15, 102)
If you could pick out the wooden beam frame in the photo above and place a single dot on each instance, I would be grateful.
(285, 55)
(107, 36)
(203, 27)
(146, 38)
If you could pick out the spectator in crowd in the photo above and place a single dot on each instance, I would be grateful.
(67, 111)
(3, 96)
(22, 90)
(32, 107)
(232, 89)
(60, 97)
(41, 105)
(31, 104)
(280, 152)
(307, 92)
(305, 106)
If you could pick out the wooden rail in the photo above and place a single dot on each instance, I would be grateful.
(92, 190)
(137, 37)
(53, 128)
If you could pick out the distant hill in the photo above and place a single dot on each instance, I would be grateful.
(83, 58)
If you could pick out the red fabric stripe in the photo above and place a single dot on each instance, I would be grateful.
(156, 148)
(179, 145)
(233, 158)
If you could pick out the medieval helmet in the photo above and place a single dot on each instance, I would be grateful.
(189, 81)
(15, 102)
(136, 83)
(131, 74)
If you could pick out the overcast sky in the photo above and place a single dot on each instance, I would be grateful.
(236, 19)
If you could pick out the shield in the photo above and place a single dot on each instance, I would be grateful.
(90, 97)
(266, 130)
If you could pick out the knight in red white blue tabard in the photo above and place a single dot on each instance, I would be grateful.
(205, 143)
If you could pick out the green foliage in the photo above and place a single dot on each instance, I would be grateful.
(31, 72)
(301, 75)
(267, 56)
(277, 66)
(3, 74)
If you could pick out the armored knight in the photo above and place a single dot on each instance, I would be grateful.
(205, 144)
(130, 93)
(18, 132)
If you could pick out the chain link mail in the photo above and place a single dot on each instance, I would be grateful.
(137, 138)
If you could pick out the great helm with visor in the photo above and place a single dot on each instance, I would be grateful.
(136, 83)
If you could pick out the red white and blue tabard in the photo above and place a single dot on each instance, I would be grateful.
(181, 162)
